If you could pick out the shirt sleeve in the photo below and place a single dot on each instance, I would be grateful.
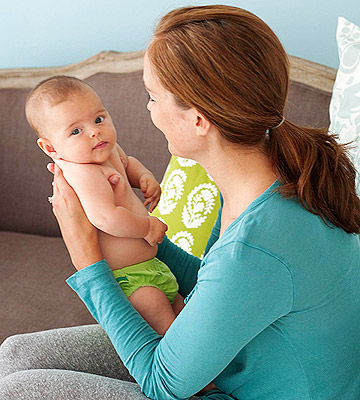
(183, 265)
(240, 291)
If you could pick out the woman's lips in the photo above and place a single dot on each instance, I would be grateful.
(100, 145)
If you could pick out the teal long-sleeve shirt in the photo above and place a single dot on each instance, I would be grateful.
(272, 311)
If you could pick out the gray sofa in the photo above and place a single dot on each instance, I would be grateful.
(33, 259)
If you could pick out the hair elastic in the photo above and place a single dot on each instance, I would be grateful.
(279, 124)
(276, 126)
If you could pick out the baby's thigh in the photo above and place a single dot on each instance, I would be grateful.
(83, 348)
(178, 304)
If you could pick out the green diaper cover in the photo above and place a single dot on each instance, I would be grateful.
(148, 273)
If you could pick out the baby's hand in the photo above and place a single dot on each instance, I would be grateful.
(151, 190)
(156, 231)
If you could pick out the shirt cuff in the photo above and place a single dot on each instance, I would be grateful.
(89, 273)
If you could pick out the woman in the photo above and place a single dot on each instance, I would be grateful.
(273, 309)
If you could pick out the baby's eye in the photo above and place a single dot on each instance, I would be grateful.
(151, 99)
(99, 120)
(76, 131)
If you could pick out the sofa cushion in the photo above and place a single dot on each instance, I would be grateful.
(345, 102)
(33, 291)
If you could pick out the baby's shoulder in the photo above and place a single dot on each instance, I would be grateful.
(77, 167)
(118, 158)
(75, 173)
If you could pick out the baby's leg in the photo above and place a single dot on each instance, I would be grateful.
(154, 307)
(178, 304)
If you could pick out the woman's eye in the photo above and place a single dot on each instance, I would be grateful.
(76, 131)
(99, 120)
(151, 99)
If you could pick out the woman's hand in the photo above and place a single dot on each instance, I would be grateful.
(80, 236)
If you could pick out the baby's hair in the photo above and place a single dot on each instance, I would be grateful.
(51, 91)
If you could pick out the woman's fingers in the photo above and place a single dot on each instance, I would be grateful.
(61, 187)
(114, 179)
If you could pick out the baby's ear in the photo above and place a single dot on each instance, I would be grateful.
(46, 146)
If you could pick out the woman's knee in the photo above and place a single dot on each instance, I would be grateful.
(84, 349)
(16, 345)
(35, 384)
(18, 386)
(22, 352)
(9, 352)
(8, 346)
(8, 385)
(52, 384)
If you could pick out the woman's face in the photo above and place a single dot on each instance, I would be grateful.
(176, 123)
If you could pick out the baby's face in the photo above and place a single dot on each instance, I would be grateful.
(80, 129)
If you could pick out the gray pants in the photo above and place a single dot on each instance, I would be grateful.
(69, 363)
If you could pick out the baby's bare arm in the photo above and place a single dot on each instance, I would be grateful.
(135, 171)
(134, 168)
(140, 177)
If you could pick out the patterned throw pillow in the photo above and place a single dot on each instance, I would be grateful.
(189, 204)
(345, 102)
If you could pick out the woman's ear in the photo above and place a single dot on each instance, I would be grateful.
(202, 125)
(46, 146)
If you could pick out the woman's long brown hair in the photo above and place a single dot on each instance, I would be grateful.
(230, 66)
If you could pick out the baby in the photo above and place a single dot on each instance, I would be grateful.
(77, 132)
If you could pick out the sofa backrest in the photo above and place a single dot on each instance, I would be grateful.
(117, 77)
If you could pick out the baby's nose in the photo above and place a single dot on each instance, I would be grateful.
(95, 132)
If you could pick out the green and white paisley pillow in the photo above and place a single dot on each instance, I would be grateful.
(189, 204)
(345, 101)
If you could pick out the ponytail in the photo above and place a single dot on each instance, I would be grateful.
(316, 169)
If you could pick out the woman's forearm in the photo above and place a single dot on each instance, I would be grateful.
(84, 253)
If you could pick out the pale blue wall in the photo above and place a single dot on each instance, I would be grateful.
(41, 33)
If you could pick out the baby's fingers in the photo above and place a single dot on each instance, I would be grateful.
(144, 187)
(153, 200)
(147, 202)
(154, 204)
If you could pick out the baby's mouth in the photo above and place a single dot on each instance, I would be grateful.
(100, 145)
